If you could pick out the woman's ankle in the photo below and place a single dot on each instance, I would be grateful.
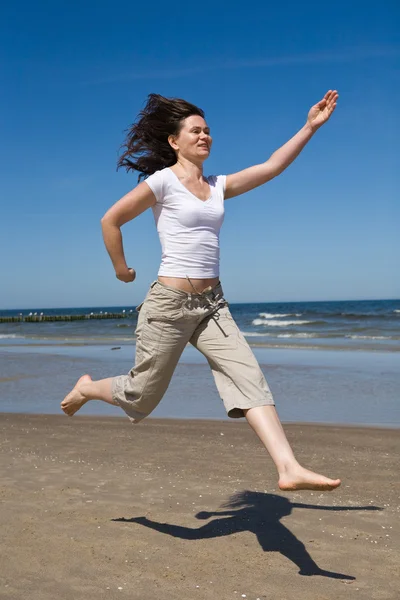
(85, 390)
(290, 465)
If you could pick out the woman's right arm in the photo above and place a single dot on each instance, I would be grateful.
(130, 206)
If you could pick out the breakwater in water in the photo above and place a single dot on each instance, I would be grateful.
(40, 318)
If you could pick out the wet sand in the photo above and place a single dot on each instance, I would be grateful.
(353, 388)
(93, 507)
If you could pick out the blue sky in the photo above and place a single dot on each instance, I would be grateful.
(74, 76)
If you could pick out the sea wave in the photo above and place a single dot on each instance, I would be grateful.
(271, 323)
(9, 336)
(276, 315)
(280, 335)
(253, 334)
(369, 337)
(360, 316)
(297, 335)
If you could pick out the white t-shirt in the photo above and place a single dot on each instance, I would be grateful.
(188, 227)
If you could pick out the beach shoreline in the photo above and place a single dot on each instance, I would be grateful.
(14, 343)
(333, 387)
(182, 509)
(203, 421)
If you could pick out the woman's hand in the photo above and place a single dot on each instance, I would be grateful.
(127, 275)
(320, 112)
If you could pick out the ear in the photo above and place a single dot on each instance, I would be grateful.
(172, 142)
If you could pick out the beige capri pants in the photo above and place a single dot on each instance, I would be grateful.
(168, 320)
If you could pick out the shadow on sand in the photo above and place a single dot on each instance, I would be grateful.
(260, 514)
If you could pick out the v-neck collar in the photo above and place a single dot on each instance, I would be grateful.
(187, 190)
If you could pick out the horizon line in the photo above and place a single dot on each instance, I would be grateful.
(123, 306)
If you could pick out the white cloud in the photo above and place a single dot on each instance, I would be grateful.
(347, 55)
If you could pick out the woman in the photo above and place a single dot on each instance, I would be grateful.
(168, 144)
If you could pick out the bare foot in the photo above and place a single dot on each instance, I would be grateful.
(302, 479)
(75, 399)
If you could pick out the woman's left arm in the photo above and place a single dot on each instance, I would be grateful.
(248, 179)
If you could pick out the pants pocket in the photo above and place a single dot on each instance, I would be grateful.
(164, 318)
(161, 330)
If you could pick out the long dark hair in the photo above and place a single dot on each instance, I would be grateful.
(147, 149)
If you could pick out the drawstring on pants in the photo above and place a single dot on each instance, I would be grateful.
(213, 304)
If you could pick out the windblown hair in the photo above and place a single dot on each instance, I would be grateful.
(147, 149)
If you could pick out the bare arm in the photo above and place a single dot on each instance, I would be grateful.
(127, 208)
(248, 179)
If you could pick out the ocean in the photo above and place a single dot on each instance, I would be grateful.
(325, 362)
(357, 325)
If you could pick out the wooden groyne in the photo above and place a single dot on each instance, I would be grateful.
(40, 318)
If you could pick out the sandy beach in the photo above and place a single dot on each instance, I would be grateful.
(93, 507)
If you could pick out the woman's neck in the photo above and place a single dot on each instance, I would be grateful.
(188, 169)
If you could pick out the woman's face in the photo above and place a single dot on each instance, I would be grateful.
(194, 140)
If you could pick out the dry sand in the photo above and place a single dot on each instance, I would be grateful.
(94, 507)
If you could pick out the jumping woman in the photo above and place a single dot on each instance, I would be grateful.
(168, 145)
